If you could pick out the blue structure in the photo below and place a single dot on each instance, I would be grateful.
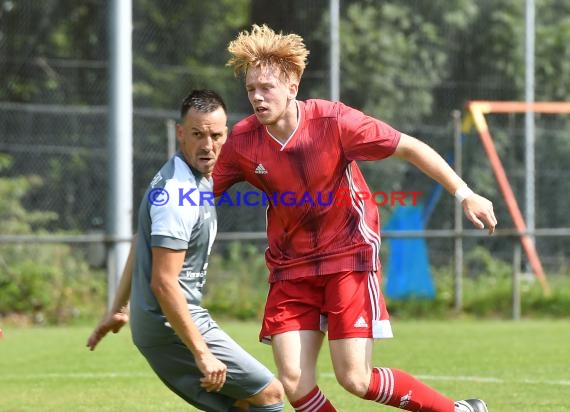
(409, 274)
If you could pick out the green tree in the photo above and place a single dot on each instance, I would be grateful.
(53, 51)
(182, 45)
(48, 283)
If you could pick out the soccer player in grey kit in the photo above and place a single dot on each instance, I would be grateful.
(166, 271)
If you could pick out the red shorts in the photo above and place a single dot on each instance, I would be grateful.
(348, 304)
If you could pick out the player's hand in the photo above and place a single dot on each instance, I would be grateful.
(111, 322)
(479, 211)
(214, 372)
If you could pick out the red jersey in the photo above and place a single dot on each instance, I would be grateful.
(311, 232)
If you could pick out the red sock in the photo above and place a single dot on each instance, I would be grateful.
(314, 401)
(398, 389)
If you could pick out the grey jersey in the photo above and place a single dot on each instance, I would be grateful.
(173, 215)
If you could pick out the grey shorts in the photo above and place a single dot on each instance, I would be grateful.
(175, 366)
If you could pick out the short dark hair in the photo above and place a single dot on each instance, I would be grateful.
(203, 100)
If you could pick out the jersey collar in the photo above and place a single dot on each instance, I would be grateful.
(299, 120)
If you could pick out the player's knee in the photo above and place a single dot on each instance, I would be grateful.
(354, 382)
(290, 379)
(271, 395)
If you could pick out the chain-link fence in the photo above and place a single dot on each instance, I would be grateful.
(54, 94)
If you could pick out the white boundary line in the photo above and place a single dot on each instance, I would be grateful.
(328, 375)
(74, 375)
(480, 379)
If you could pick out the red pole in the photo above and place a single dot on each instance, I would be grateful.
(477, 109)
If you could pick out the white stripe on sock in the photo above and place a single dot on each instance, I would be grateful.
(313, 404)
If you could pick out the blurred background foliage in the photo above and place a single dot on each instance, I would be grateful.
(408, 62)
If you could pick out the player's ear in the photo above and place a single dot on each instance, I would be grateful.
(179, 132)
(293, 90)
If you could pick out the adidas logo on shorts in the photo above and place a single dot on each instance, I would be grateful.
(360, 323)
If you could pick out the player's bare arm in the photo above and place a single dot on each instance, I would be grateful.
(478, 209)
(166, 266)
(118, 316)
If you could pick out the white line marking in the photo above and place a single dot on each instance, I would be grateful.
(150, 375)
(482, 379)
(75, 375)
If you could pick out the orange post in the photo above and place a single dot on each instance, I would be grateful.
(478, 109)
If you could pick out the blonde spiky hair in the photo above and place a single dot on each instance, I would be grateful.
(262, 47)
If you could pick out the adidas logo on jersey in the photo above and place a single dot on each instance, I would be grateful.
(360, 323)
(260, 170)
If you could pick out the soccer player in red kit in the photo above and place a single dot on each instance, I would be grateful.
(322, 256)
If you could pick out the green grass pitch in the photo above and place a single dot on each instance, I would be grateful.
(514, 366)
